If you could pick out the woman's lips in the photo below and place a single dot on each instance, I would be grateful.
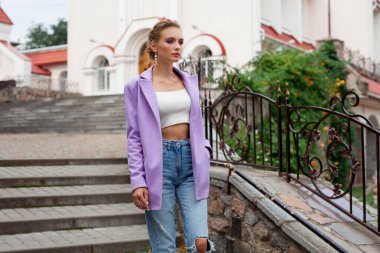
(176, 55)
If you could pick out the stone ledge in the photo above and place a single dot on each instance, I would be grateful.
(294, 229)
(306, 238)
(251, 193)
(274, 212)
(219, 173)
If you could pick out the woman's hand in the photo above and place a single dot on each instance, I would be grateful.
(140, 198)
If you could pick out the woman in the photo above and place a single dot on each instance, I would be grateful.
(168, 155)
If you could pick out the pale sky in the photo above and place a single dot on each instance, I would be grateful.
(24, 12)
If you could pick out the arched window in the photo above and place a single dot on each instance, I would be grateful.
(103, 75)
(63, 81)
(205, 53)
(206, 66)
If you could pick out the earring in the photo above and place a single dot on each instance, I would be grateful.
(155, 58)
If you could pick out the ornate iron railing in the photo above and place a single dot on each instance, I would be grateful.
(243, 126)
(364, 65)
(327, 153)
(47, 83)
(335, 156)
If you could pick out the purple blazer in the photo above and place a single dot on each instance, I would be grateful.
(145, 157)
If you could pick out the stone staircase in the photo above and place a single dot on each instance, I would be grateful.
(70, 208)
(75, 114)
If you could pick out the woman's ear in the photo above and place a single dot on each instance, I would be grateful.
(153, 46)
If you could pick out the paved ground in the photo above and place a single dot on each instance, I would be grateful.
(48, 239)
(62, 146)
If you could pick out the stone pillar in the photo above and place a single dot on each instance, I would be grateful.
(88, 79)
(339, 45)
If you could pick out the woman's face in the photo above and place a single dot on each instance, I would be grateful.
(169, 46)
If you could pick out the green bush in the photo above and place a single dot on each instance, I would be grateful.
(313, 78)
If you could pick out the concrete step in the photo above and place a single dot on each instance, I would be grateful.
(87, 115)
(60, 109)
(49, 107)
(25, 220)
(54, 119)
(91, 119)
(67, 123)
(63, 114)
(113, 129)
(63, 175)
(79, 114)
(53, 107)
(119, 239)
(64, 195)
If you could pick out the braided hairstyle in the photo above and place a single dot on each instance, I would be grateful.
(154, 34)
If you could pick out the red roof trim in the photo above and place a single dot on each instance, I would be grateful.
(219, 43)
(373, 86)
(14, 50)
(222, 48)
(4, 17)
(110, 47)
(40, 71)
(271, 32)
(48, 57)
(36, 68)
(44, 58)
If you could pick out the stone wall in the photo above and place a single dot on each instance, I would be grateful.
(9, 92)
(237, 225)
(247, 221)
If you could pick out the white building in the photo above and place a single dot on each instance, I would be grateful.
(13, 64)
(117, 30)
(107, 38)
(43, 68)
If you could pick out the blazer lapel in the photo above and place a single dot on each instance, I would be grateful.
(150, 95)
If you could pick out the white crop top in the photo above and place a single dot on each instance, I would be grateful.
(174, 107)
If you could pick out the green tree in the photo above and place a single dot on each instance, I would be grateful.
(313, 78)
(40, 36)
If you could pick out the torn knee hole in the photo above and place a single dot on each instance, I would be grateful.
(203, 243)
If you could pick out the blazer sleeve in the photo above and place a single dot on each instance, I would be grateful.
(134, 146)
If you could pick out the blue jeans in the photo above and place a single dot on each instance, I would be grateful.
(178, 183)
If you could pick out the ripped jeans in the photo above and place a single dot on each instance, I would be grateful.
(178, 183)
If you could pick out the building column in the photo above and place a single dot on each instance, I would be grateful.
(126, 68)
(277, 10)
(88, 81)
(256, 27)
(299, 29)
(173, 9)
(122, 21)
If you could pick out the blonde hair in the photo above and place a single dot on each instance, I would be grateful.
(154, 34)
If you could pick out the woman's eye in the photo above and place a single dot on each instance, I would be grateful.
(172, 41)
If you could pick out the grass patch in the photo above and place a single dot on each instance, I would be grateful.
(357, 192)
